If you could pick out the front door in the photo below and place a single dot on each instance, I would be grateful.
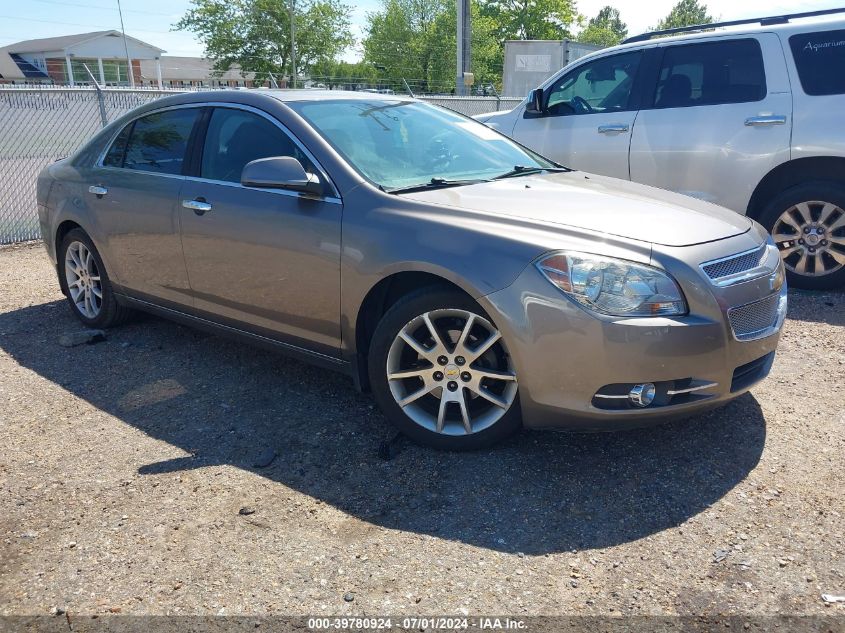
(717, 120)
(588, 116)
(264, 260)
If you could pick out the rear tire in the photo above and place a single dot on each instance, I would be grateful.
(85, 282)
(808, 224)
(452, 389)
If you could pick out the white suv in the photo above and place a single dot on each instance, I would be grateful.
(751, 119)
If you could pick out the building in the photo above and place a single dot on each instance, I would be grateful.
(528, 63)
(67, 60)
(73, 59)
(185, 72)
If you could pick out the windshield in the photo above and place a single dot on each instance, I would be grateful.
(400, 144)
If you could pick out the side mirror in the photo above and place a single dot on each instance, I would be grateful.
(280, 172)
(535, 101)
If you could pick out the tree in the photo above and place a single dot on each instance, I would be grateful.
(401, 40)
(345, 75)
(415, 40)
(686, 13)
(486, 53)
(606, 29)
(255, 34)
(531, 19)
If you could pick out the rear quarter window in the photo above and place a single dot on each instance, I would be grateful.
(820, 60)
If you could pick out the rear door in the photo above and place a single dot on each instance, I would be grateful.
(262, 260)
(134, 189)
(588, 117)
(717, 119)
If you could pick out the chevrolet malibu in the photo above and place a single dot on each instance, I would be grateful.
(470, 284)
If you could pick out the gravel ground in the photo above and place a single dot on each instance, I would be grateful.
(129, 484)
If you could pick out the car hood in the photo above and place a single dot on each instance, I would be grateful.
(490, 117)
(596, 204)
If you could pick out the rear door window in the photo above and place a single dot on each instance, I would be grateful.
(711, 73)
(158, 141)
(820, 60)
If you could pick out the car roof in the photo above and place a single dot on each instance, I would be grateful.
(255, 97)
(799, 25)
(325, 95)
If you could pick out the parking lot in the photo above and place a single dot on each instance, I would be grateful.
(129, 483)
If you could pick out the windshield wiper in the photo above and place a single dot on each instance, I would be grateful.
(436, 183)
(522, 170)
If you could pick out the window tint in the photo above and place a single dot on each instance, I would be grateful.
(237, 137)
(114, 157)
(158, 141)
(600, 86)
(820, 58)
(711, 73)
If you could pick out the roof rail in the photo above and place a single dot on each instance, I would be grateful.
(769, 21)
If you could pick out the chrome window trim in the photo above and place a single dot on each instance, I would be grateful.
(283, 192)
(142, 171)
(333, 199)
(764, 268)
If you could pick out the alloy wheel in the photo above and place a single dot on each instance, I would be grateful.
(450, 372)
(811, 238)
(83, 279)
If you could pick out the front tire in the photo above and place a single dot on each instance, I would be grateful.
(807, 223)
(85, 283)
(441, 372)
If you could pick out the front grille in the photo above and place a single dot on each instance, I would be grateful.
(735, 264)
(754, 320)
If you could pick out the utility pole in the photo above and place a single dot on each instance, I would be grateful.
(293, 42)
(464, 77)
(126, 48)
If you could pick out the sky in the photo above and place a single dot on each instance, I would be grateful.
(151, 20)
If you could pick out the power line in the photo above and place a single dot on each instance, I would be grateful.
(101, 7)
(88, 25)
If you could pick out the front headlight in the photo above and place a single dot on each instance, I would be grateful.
(614, 286)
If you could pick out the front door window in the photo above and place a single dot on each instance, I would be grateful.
(603, 85)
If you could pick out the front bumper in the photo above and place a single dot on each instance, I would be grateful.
(565, 355)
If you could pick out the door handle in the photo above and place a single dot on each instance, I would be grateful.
(614, 128)
(770, 119)
(97, 190)
(198, 206)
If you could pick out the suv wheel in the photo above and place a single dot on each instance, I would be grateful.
(808, 224)
(441, 372)
(85, 283)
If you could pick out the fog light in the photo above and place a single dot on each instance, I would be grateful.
(642, 395)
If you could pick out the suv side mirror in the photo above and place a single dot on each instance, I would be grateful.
(280, 172)
(535, 101)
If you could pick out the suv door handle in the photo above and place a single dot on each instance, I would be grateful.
(770, 119)
(97, 190)
(198, 205)
(613, 128)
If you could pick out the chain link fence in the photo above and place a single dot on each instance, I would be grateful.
(41, 125)
(472, 106)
